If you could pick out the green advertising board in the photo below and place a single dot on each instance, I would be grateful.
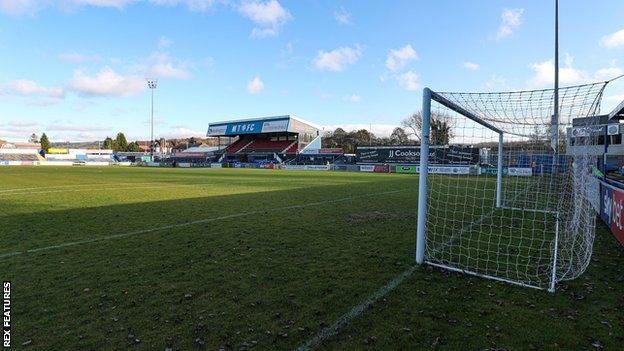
(492, 170)
(406, 169)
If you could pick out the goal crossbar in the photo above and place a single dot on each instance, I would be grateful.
(462, 111)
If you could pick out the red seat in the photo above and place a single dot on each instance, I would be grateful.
(236, 146)
(265, 145)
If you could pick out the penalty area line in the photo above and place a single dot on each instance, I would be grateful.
(201, 221)
(356, 311)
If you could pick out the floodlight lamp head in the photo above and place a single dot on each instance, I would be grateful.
(151, 83)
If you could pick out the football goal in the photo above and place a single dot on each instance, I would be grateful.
(522, 214)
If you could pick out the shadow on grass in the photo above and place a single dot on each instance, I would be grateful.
(270, 278)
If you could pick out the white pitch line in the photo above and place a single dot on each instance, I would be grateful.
(105, 187)
(112, 188)
(201, 221)
(62, 186)
(340, 323)
(53, 187)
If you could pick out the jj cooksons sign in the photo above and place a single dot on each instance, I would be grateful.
(454, 155)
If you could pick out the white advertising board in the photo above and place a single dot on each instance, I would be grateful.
(520, 172)
(306, 167)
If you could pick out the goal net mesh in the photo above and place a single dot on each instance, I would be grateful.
(544, 217)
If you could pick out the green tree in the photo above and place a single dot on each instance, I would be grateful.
(45, 142)
(192, 141)
(440, 132)
(133, 147)
(363, 137)
(399, 136)
(120, 142)
(108, 143)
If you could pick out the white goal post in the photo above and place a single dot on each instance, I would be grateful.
(522, 215)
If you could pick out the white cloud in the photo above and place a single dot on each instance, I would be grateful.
(176, 132)
(22, 124)
(106, 82)
(471, 66)
(22, 7)
(337, 59)
(193, 5)
(609, 72)
(544, 73)
(24, 87)
(264, 32)
(497, 83)
(66, 127)
(167, 70)
(164, 43)
(342, 16)
(56, 130)
(398, 58)
(408, 81)
(615, 98)
(613, 40)
(255, 85)
(511, 18)
(161, 66)
(77, 57)
(352, 98)
(268, 15)
(104, 3)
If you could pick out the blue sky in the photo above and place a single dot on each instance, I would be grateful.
(76, 69)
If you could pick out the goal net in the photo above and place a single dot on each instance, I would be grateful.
(513, 204)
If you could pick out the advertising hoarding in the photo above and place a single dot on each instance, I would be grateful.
(612, 210)
(452, 155)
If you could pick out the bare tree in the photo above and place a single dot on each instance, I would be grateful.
(413, 125)
(443, 122)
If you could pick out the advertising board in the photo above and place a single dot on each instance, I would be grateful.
(406, 169)
(612, 210)
(448, 170)
(519, 171)
(382, 169)
(306, 167)
(452, 155)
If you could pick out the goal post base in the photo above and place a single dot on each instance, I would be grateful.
(480, 275)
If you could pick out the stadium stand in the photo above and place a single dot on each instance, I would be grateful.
(237, 146)
(266, 145)
(11, 153)
(20, 157)
(266, 139)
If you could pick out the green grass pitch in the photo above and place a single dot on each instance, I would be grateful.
(145, 258)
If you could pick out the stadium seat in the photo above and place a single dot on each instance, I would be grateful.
(19, 157)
